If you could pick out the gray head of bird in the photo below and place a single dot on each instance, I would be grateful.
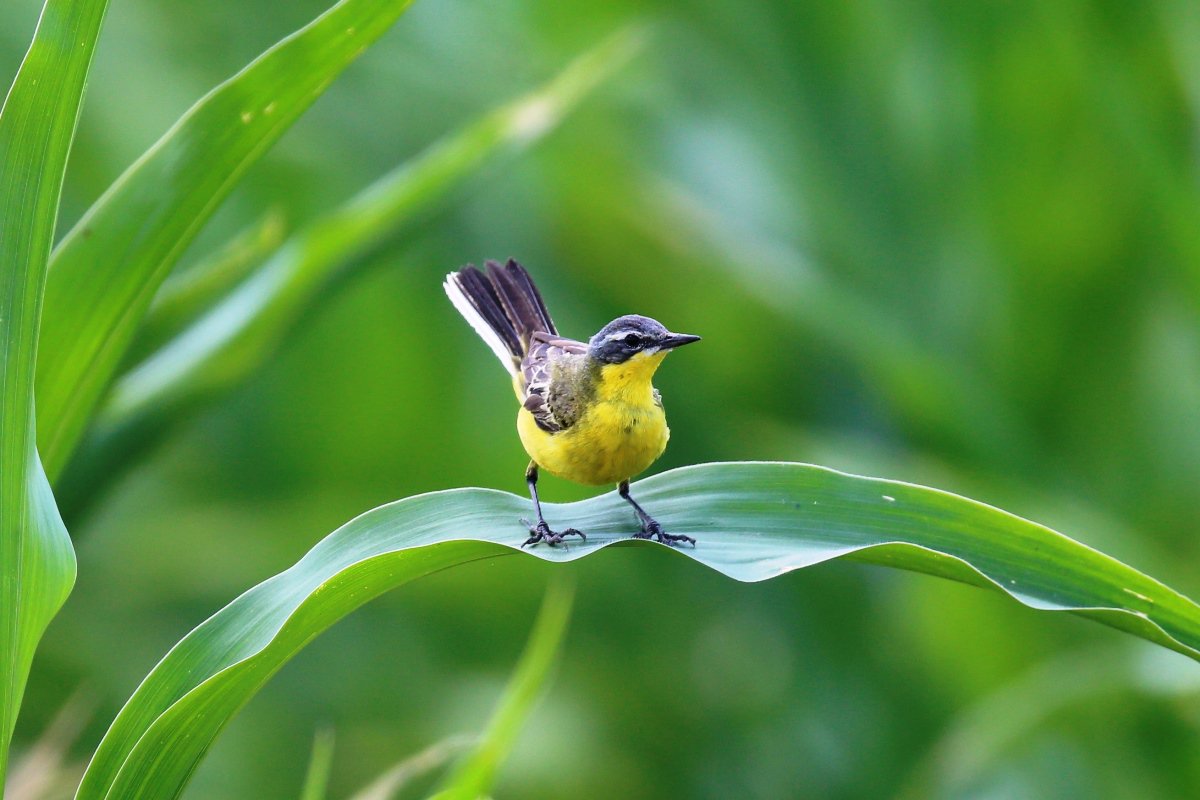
(631, 335)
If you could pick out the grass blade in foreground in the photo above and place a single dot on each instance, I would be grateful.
(37, 124)
(109, 266)
(753, 520)
(476, 774)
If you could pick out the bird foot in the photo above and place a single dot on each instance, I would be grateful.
(652, 530)
(542, 533)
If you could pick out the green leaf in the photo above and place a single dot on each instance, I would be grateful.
(474, 776)
(109, 266)
(320, 764)
(753, 521)
(37, 124)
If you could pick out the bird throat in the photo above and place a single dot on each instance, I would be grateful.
(629, 381)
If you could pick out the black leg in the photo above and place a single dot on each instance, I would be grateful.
(650, 526)
(541, 531)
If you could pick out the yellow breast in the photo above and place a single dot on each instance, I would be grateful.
(621, 432)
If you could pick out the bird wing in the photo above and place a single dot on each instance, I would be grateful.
(551, 402)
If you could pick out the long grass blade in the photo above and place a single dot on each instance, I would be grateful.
(320, 765)
(109, 266)
(37, 124)
(399, 776)
(753, 521)
(236, 337)
(239, 334)
(186, 296)
(476, 774)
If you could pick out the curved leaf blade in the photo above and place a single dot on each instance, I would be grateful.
(37, 125)
(109, 266)
(754, 521)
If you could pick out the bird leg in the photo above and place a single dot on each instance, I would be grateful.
(541, 531)
(650, 526)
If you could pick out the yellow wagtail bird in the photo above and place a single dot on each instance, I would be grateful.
(588, 410)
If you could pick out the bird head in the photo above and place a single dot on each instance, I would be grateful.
(635, 337)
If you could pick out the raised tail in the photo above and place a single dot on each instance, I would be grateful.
(502, 305)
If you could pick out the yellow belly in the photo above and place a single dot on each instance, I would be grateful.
(612, 442)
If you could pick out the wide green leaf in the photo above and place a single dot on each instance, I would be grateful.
(37, 124)
(753, 521)
(109, 266)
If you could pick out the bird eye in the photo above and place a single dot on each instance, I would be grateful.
(633, 340)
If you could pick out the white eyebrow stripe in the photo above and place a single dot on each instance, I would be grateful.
(612, 337)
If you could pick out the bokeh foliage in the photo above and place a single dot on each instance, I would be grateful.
(942, 242)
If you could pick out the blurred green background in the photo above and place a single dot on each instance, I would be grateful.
(957, 244)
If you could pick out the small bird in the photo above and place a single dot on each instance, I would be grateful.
(588, 410)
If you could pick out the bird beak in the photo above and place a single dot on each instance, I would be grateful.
(673, 340)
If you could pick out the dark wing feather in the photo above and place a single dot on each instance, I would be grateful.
(503, 305)
(520, 276)
(522, 303)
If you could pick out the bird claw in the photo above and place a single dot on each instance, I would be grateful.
(651, 529)
(542, 533)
